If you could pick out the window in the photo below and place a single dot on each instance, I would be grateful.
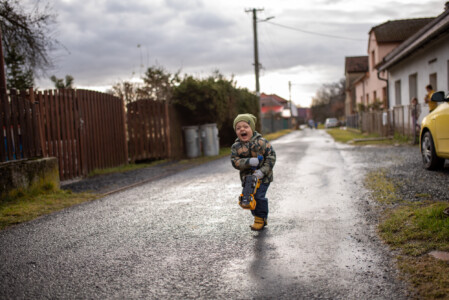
(384, 96)
(397, 92)
(367, 99)
(433, 81)
(375, 96)
(413, 86)
(373, 59)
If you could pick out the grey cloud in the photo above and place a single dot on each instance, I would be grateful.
(184, 5)
(208, 21)
(102, 38)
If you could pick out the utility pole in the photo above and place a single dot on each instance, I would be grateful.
(256, 49)
(290, 103)
(256, 57)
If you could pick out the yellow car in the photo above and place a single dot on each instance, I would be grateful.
(434, 137)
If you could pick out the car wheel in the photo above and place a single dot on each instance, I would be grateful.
(430, 160)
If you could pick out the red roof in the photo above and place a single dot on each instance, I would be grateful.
(273, 97)
(276, 109)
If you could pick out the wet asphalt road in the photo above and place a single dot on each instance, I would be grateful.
(185, 237)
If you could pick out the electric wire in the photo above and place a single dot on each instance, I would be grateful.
(314, 33)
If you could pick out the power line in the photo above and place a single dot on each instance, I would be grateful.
(315, 33)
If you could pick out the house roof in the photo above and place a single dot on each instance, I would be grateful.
(276, 109)
(272, 100)
(398, 30)
(434, 29)
(356, 64)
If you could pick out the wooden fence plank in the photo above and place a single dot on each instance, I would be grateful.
(28, 132)
(18, 124)
(40, 124)
(8, 117)
(149, 129)
(3, 140)
(168, 149)
(59, 131)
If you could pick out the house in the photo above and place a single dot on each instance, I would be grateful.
(420, 60)
(277, 104)
(304, 114)
(356, 68)
(271, 103)
(277, 113)
(371, 89)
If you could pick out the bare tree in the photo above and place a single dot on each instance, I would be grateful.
(28, 34)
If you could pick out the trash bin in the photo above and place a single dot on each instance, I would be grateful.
(209, 139)
(192, 141)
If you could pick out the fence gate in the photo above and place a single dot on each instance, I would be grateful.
(153, 131)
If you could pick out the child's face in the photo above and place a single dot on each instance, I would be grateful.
(243, 131)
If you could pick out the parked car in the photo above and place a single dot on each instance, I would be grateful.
(331, 122)
(434, 136)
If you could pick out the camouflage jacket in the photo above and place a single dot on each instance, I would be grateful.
(242, 152)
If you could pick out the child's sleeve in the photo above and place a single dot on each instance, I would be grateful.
(269, 157)
(238, 162)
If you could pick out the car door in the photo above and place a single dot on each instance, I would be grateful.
(442, 129)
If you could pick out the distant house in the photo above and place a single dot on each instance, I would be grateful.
(304, 114)
(277, 113)
(371, 89)
(356, 68)
(272, 103)
(420, 60)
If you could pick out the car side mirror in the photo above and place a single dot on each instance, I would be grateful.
(438, 97)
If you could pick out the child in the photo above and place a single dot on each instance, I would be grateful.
(248, 145)
(415, 111)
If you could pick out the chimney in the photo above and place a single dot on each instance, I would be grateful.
(446, 5)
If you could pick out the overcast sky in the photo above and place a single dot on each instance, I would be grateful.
(107, 41)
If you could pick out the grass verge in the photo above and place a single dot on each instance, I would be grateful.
(124, 168)
(414, 229)
(348, 136)
(28, 205)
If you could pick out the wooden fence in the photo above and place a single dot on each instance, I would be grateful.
(86, 130)
(153, 131)
(19, 123)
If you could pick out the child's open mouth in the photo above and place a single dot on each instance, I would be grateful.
(243, 134)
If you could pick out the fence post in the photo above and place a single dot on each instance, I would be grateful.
(38, 122)
(167, 130)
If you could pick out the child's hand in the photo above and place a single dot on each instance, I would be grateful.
(253, 162)
(258, 174)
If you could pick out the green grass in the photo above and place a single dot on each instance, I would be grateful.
(414, 229)
(124, 168)
(344, 136)
(349, 135)
(382, 189)
(278, 134)
(417, 229)
(24, 206)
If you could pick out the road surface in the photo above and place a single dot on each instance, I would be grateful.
(185, 237)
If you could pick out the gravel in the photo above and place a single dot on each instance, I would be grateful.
(403, 166)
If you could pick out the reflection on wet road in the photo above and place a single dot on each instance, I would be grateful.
(186, 237)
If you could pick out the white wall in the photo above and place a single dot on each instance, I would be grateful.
(419, 63)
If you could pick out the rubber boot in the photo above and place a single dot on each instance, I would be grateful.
(259, 223)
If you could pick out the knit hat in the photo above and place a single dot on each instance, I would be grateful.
(249, 118)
